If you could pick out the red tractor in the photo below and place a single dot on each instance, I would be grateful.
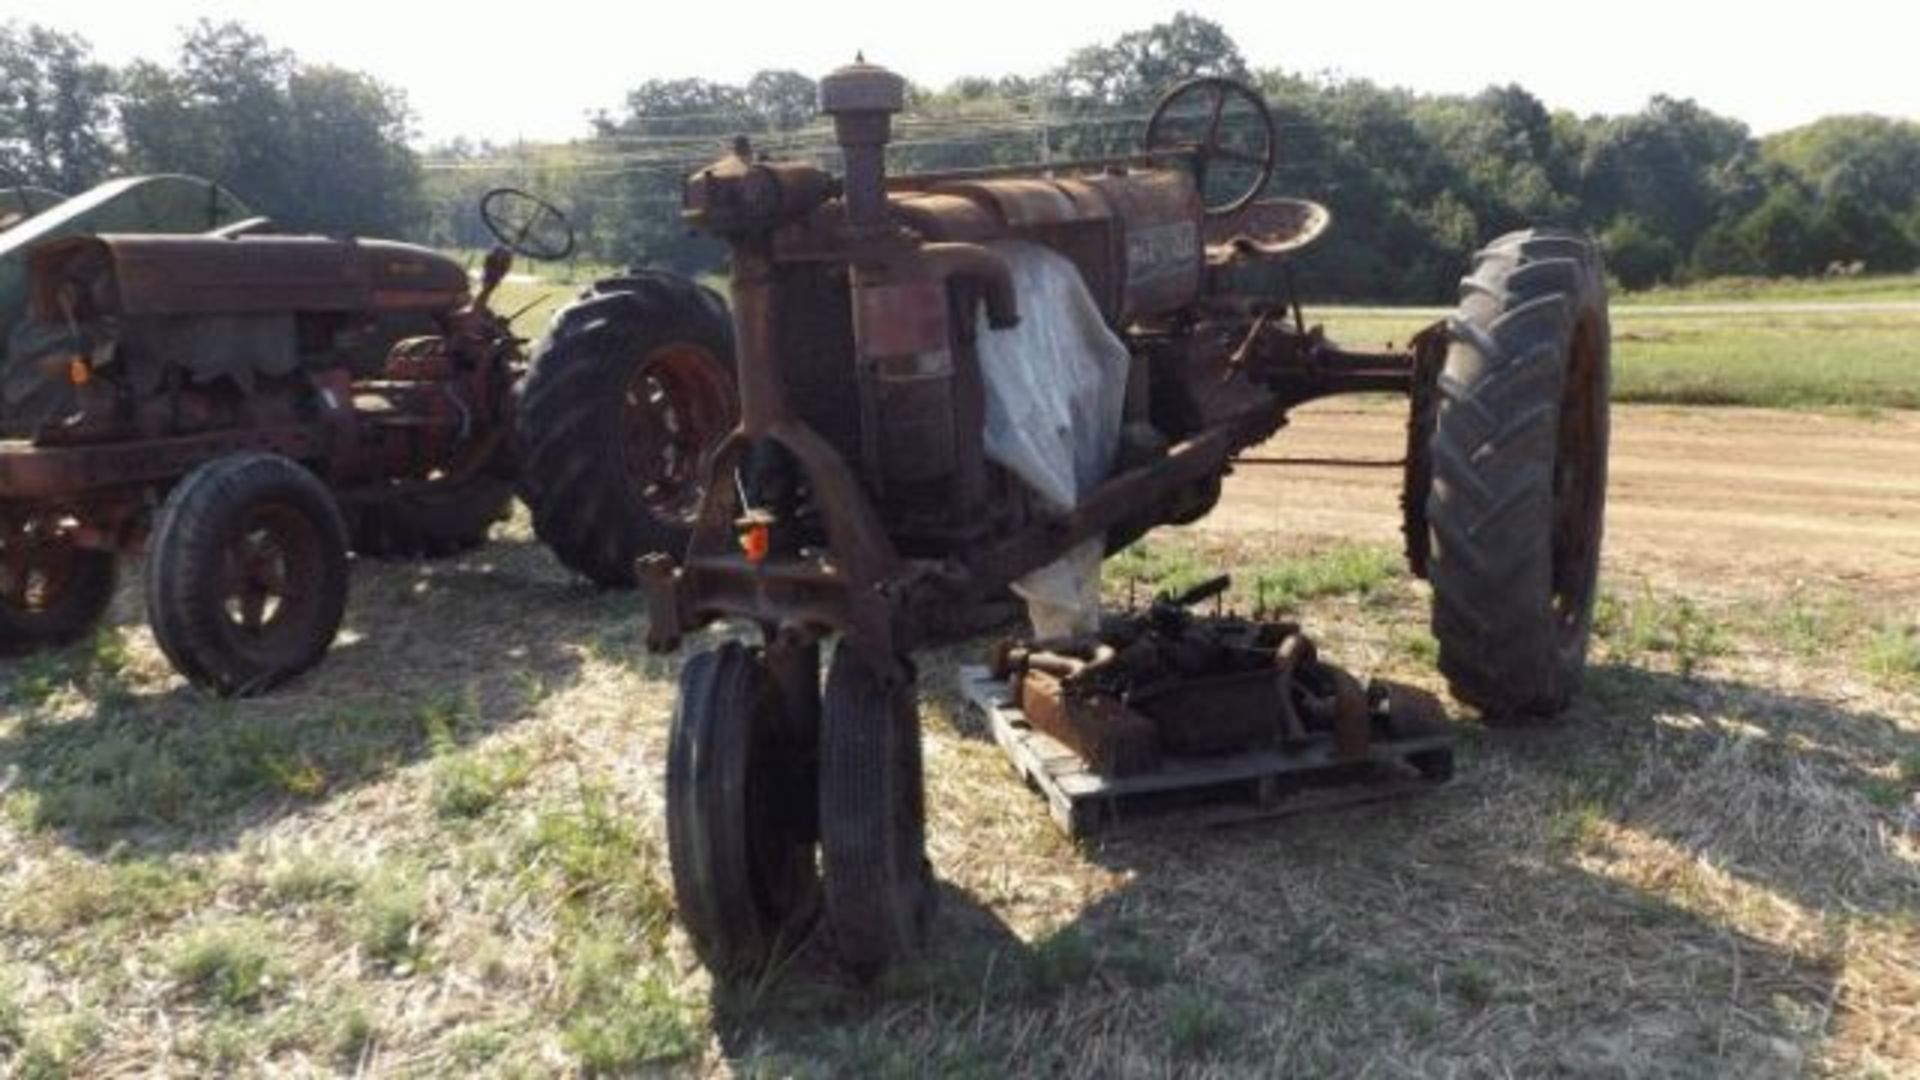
(247, 408)
(894, 331)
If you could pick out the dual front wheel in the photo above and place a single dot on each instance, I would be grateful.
(754, 788)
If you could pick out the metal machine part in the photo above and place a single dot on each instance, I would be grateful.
(1164, 682)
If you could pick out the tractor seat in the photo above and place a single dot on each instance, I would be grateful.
(1268, 228)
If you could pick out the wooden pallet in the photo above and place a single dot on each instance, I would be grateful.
(1192, 792)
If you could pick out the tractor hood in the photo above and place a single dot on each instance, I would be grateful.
(85, 277)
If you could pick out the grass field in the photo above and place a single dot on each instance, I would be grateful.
(443, 855)
(1883, 287)
(1747, 345)
(1745, 355)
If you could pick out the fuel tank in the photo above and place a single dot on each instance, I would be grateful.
(1134, 234)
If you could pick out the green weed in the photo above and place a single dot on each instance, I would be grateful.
(467, 785)
(606, 865)
(620, 1020)
(1157, 569)
(1198, 1026)
(230, 966)
(1893, 653)
(1346, 570)
(391, 918)
(1060, 960)
(1671, 626)
(305, 879)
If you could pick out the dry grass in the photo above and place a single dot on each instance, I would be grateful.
(441, 854)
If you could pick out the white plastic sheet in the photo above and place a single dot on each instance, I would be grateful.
(1056, 388)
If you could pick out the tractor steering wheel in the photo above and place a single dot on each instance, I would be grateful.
(526, 224)
(1189, 119)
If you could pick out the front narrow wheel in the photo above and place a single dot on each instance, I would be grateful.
(739, 830)
(247, 573)
(880, 892)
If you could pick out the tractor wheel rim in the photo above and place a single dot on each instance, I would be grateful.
(270, 566)
(678, 404)
(1577, 491)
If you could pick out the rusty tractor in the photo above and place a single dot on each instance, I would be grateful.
(247, 408)
(863, 494)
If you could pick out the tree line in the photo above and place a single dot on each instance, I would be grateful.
(313, 146)
(1416, 181)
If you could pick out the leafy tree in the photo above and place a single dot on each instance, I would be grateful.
(55, 112)
(1657, 165)
(783, 100)
(1140, 65)
(1785, 235)
(370, 182)
(661, 107)
(1637, 255)
(1874, 160)
(1721, 252)
(1515, 162)
(314, 147)
(221, 112)
(1859, 232)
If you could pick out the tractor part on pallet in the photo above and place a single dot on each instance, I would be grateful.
(361, 381)
(1409, 750)
(1165, 683)
(1113, 739)
(857, 496)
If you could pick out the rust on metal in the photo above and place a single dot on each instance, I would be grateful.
(90, 276)
(1167, 683)
(369, 361)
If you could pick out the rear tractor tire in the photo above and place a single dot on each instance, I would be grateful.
(740, 837)
(1519, 475)
(879, 886)
(631, 388)
(52, 592)
(246, 573)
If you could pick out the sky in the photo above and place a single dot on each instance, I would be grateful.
(536, 71)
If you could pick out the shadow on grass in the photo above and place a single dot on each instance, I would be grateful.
(1661, 883)
(432, 657)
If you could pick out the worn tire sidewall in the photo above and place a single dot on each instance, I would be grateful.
(570, 437)
(200, 516)
(1539, 675)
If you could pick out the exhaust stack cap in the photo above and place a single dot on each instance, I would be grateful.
(861, 87)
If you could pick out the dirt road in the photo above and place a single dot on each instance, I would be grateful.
(1695, 494)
